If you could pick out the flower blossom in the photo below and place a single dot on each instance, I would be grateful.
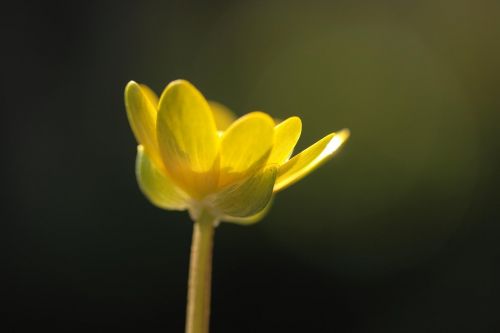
(195, 155)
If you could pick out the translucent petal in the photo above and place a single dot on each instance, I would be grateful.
(309, 159)
(245, 146)
(188, 139)
(248, 197)
(286, 135)
(141, 113)
(250, 219)
(156, 186)
(150, 94)
(222, 115)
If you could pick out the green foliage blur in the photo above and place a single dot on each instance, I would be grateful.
(398, 233)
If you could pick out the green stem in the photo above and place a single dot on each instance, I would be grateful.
(200, 275)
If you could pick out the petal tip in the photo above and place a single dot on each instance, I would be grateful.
(181, 86)
(180, 83)
(260, 115)
(294, 121)
(131, 85)
(132, 89)
(344, 133)
(336, 141)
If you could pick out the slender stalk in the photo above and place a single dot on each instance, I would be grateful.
(200, 275)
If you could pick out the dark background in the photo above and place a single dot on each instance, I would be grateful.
(398, 233)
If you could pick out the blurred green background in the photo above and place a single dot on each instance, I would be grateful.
(398, 233)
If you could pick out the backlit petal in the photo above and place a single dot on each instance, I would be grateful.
(222, 115)
(249, 196)
(156, 186)
(286, 135)
(141, 113)
(309, 159)
(250, 219)
(245, 146)
(188, 139)
(150, 94)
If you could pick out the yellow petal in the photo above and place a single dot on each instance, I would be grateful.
(245, 146)
(188, 139)
(222, 115)
(150, 94)
(250, 219)
(141, 113)
(286, 135)
(156, 186)
(249, 196)
(309, 159)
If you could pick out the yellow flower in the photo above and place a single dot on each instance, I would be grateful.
(194, 155)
